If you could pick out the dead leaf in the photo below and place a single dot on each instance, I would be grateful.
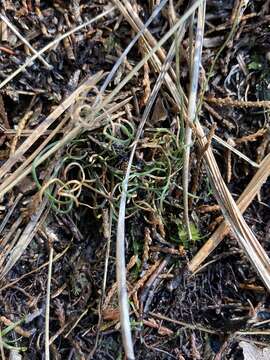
(252, 352)
(110, 314)
(160, 113)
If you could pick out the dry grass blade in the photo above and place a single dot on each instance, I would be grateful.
(237, 152)
(120, 252)
(51, 44)
(233, 216)
(184, 324)
(243, 202)
(10, 212)
(120, 249)
(16, 32)
(24, 240)
(191, 112)
(37, 133)
(121, 273)
(14, 178)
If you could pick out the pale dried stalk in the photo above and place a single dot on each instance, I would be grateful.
(235, 151)
(24, 240)
(191, 111)
(10, 212)
(243, 202)
(47, 312)
(120, 246)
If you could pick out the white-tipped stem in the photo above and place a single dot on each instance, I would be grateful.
(47, 312)
(121, 274)
(192, 108)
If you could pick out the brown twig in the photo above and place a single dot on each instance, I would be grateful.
(184, 324)
(238, 103)
(251, 137)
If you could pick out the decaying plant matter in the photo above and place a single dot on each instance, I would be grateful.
(134, 179)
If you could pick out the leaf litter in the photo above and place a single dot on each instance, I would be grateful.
(94, 182)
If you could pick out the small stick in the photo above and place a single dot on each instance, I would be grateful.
(47, 322)
(183, 323)
(107, 229)
(199, 162)
(120, 242)
(243, 202)
(251, 137)
(151, 284)
(7, 50)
